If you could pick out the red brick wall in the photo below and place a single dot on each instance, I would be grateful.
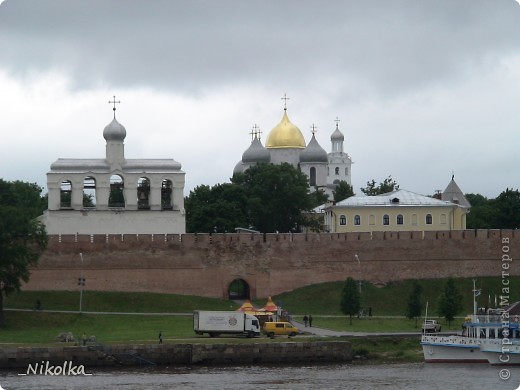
(203, 264)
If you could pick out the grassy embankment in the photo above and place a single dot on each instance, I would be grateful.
(322, 301)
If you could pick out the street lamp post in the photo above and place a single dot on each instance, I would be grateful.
(81, 283)
(359, 271)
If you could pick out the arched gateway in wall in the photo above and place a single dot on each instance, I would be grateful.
(239, 289)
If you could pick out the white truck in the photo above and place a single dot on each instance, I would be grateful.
(216, 323)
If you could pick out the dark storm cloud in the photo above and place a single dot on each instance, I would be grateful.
(386, 46)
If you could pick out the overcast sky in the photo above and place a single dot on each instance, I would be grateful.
(422, 88)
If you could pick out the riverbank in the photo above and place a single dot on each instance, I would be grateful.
(230, 351)
(183, 354)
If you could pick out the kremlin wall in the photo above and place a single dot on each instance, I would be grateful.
(269, 264)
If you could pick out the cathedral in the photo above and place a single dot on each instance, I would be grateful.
(285, 144)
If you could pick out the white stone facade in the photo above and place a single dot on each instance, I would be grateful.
(115, 195)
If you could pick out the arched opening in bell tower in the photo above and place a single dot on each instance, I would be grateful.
(239, 289)
(116, 197)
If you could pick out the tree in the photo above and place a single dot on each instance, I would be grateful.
(318, 197)
(388, 185)
(450, 301)
(414, 306)
(220, 208)
(503, 212)
(276, 196)
(350, 298)
(507, 206)
(342, 191)
(483, 214)
(22, 237)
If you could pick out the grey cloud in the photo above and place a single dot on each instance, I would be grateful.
(389, 46)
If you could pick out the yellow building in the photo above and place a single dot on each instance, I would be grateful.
(399, 210)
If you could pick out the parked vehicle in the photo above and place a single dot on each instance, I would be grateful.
(280, 329)
(216, 323)
(431, 326)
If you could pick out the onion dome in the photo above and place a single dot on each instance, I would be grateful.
(256, 153)
(114, 131)
(337, 135)
(285, 135)
(239, 168)
(314, 152)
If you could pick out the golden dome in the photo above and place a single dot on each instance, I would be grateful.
(285, 135)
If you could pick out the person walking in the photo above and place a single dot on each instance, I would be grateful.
(160, 337)
(310, 320)
(305, 320)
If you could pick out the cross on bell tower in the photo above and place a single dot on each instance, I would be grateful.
(114, 103)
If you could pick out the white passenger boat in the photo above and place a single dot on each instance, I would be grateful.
(452, 348)
(488, 337)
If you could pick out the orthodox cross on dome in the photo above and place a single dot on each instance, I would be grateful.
(313, 129)
(114, 103)
(285, 98)
(337, 122)
(255, 133)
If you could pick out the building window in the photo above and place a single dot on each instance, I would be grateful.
(372, 219)
(429, 219)
(386, 219)
(414, 219)
(312, 180)
(443, 219)
(400, 219)
(357, 220)
(342, 220)
(336, 171)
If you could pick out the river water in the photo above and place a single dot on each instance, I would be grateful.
(415, 376)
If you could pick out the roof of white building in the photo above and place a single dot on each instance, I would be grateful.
(101, 165)
(394, 198)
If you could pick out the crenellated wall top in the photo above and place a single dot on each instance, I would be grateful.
(207, 240)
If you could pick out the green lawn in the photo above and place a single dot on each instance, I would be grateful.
(319, 300)
(41, 327)
(99, 301)
(391, 299)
